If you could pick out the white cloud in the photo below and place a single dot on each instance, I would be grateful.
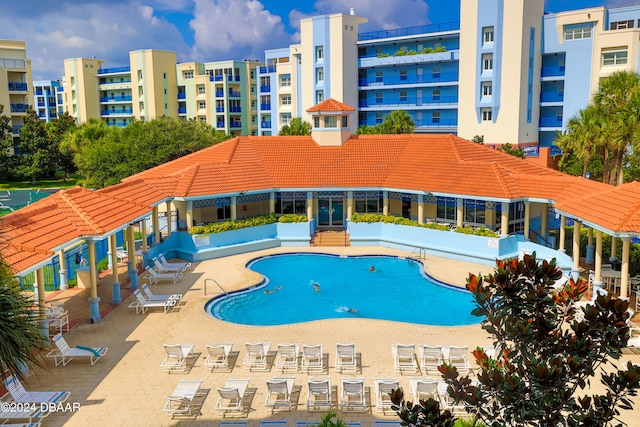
(382, 14)
(621, 3)
(84, 30)
(225, 29)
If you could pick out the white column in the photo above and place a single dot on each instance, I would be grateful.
(504, 219)
(544, 220)
(575, 270)
(561, 235)
(527, 219)
(168, 218)
(420, 209)
(63, 271)
(272, 202)
(459, 212)
(385, 203)
(349, 204)
(598, 266)
(155, 222)
(624, 270)
(189, 214)
(309, 205)
(144, 234)
(234, 208)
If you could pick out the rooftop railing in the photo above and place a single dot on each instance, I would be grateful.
(114, 70)
(410, 31)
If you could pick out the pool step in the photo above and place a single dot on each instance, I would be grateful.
(331, 238)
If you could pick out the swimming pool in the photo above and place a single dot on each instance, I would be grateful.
(398, 290)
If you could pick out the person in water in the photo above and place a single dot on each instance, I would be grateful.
(352, 310)
(316, 287)
(372, 269)
(275, 289)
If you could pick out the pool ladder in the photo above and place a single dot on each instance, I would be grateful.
(418, 253)
(216, 282)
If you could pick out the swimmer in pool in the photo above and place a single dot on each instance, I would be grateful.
(275, 289)
(352, 310)
(372, 269)
(316, 287)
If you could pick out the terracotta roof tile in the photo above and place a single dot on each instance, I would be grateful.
(330, 105)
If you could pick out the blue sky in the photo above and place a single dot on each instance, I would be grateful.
(201, 30)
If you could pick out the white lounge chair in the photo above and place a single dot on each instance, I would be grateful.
(302, 423)
(404, 357)
(458, 358)
(19, 394)
(430, 357)
(30, 415)
(58, 317)
(312, 358)
(288, 357)
(279, 391)
(218, 356)
(141, 304)
(446, 401)
(424, 389)
(274, 423)
(346, 358)
(176, 356)
(155, 276)
(257, 355)
(181, 401)
(320, 395)
(163, 261)
(63, 354)
(353, 396)
(166, 268)
(231, 400)
(383, 388)
(149, 295)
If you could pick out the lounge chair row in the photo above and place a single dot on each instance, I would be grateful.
(234, 399)
(300, 423)
(148, 299)
(290, 357)
(164, 270)
(404, 357)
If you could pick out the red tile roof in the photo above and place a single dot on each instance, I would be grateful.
(330, 105)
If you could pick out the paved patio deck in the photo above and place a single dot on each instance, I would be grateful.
(128, 386)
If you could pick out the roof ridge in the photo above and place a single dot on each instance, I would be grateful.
(501, 173)
(81, 213)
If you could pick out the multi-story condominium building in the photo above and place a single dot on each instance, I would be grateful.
(48, 99)
(506, 71)
(143, 90)
(223, 94)
(16, 87)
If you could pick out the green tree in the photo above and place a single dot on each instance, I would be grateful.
(20, 340)
(296, 127)
(510, 149)
(584, 136)
(7, 160)
(397, 121)
(58, 129)
(548, 350)
(37, 156)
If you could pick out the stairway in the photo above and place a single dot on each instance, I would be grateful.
(331, 238)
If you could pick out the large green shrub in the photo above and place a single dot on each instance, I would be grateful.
(482, 231)
(221, 227)
(289, 218)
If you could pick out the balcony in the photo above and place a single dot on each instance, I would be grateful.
(233, 94)
(42, 115)
(116, 99)
(437, 123)
(219, 124)
(269, 69)
(219, 109)
(53, 115)
(265, 125)
(39, 92)
(265, 107)
(18, 87)
(19, 108)
(219, 94)
(182, 95)
(40, 103)
(235, 109)
(215, 78)
(552, 71)
(551, 122)
(16, 129)
(554, 96)
(410, 31)
(378, 82)
(408, 101)
(51, 103)
(115, 70)
(124, 111)
(103, 82)
(265, 88)
(235, 125)
(182, 110)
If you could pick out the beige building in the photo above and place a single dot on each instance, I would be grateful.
(16, 83)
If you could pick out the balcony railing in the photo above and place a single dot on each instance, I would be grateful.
(408, 101)
(104, 82)
(39, 92)
(437, 123)
(551, 122)
(19, 108)
(116, 99)
(265, 88)
(219, 124)
(264, 107)
(265, 125)
(114, 70)
(410, 31)
(235, 109)
(18, 86)
(40, 103)
(13, 63)
(51, 103)
(182, 95)
(409, 80)
(269, 69)
(552, 71)
(215, 78)
(236, 125)
(126, 111)
(219, 109)
(219, 94)
(551, 96)
(234, 94)
(182, 110)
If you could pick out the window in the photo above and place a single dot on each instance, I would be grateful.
(487, 35)
(285, 80)
(202, 105)
(285, 118)
(368, 202)
(188, 74)
(139, 74)
(435, 117)
(288, 203)
(319, 75)
(446, 208)
(576, 32)
(487, 88)
(403, 96)
(403, 74)
(319, 96)
(621, 25)
(319, 53)
(164, 75)
(435, 94)
(316, 122)
(378, 118)
(345, 121)
(141, 106)
(487, 62)
(378, 97)
(201, 89)
(474, 211)
(140, 91)
(614, 57)
(330, 122)
(378, 76)
(435, 72)
(486, 114)
(286, 99)
(265, 81)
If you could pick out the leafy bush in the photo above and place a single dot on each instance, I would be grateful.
(388, 219)
(289, 218)
(221, 227)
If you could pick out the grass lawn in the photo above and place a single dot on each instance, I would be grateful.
(41, 184)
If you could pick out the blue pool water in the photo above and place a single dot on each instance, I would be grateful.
(398, 290)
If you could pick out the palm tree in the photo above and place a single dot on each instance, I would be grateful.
(20, 340)
(583, 135)
(296, 127)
